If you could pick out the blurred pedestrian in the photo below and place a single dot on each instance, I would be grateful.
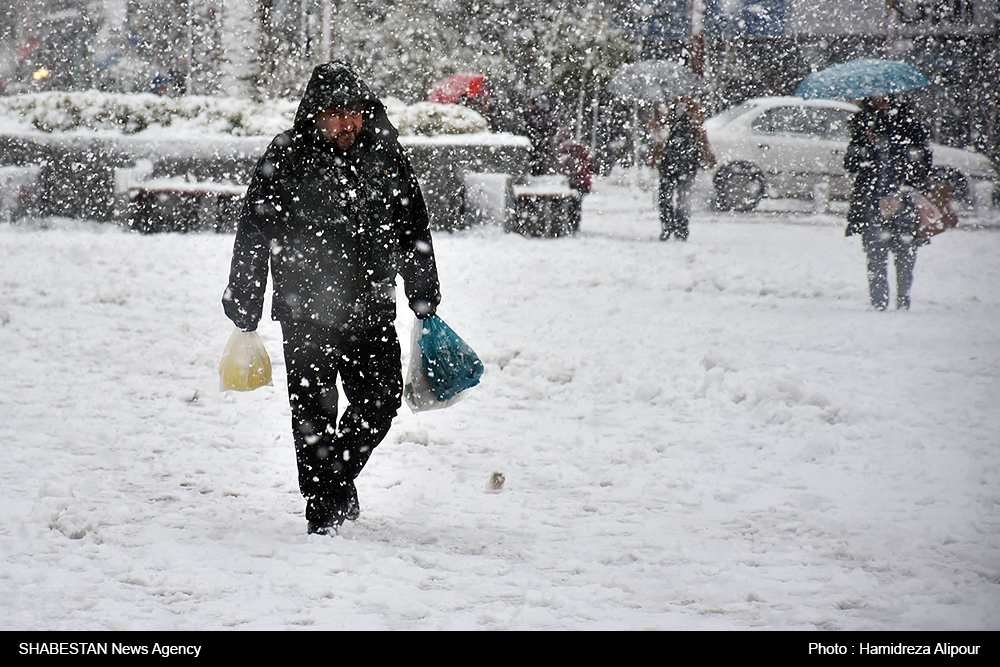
(574, 162)
(680, 149)
(540, 128)
(481, 102)
(890, 158)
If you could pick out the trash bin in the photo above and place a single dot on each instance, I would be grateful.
(489, 199)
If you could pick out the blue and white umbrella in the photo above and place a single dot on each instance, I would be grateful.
(857, 79)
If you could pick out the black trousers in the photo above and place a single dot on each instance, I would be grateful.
(878, 243)
(330, 455)
(675, 204)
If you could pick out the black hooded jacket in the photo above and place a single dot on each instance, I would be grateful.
(334, 226)
(888, 149)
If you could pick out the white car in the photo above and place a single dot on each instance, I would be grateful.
(788, 146)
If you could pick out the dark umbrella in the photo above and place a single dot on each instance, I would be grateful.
(651, 81)
(857, 79)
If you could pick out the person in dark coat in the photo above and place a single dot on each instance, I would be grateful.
(680, 148)
(890, 158)
(540, 128)
(335, 211)
(574, 162)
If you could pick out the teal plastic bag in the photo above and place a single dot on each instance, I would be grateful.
(451, 366)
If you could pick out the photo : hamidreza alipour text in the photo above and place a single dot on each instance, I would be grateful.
(865, 648)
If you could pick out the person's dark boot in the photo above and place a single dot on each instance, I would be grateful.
(326, 515)
(322, 517)
(352, 509)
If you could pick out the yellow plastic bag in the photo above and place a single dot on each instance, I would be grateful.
(245, 365)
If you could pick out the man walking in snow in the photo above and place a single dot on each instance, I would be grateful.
(335, 211)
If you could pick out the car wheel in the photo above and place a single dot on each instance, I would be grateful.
(738, 187)
(954, 179)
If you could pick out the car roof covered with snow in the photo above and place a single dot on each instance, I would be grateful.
(733, 114)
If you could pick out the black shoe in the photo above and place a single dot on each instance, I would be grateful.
(322, 517)
(316, 529)
(352, 510)
(326, 515)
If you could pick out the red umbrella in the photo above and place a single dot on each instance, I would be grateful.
(454, 88)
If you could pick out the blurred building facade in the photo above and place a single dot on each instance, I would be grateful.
(747, 48)
(172, 47)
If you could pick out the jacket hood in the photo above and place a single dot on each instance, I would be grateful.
(334, 84)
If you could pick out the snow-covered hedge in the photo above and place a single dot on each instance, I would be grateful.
(428, 119)
(57, 112)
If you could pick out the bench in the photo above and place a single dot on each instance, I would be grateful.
(545, 206)
(176, 204)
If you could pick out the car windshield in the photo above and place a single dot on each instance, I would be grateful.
(730, 115)
(837, 124)
(814, 122)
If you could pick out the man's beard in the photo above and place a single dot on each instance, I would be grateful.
(345, 140)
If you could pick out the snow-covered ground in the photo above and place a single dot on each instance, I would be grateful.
(711, 435)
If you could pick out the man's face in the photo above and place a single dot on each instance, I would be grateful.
(341, 125)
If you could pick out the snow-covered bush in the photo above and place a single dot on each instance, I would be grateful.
(429, 119)
(57, 112)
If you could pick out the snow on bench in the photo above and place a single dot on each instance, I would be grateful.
(546, 206)
(177, 203)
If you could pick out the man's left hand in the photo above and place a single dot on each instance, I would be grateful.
(422, 308)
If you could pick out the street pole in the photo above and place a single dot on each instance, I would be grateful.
(326, 43)
(697, 45)
(890, 5)
(190, 44)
